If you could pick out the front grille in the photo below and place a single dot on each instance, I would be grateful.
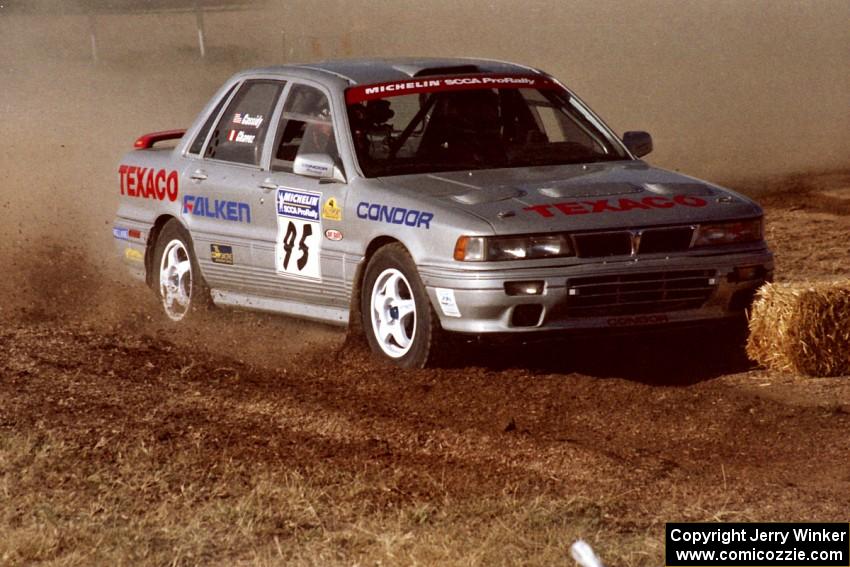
(600, 244)
(633, 242)
(632, 294)
(658, 240)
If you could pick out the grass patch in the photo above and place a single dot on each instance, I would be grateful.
(128, 503)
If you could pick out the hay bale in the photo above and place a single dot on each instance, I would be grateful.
(804, 327)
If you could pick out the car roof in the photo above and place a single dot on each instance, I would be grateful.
(368, 71)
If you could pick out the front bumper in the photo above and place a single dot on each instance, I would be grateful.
(481, 304)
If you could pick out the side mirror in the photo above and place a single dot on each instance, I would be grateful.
(639, 143)
(321, 166)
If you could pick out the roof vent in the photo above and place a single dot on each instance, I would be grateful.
(455, 70)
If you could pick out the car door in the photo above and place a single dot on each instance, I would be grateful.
(222, 185)
(297, 253)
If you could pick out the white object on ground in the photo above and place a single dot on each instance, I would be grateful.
(583, 554)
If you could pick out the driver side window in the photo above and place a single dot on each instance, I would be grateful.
(306, 127)
(239, 135)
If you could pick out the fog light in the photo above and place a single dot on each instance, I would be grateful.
(524, 288)
(526, 315)
(742, 299)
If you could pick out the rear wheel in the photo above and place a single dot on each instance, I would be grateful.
(177, 278)
(398, 320)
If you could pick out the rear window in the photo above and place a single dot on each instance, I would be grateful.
(239, 135)
(198, 143)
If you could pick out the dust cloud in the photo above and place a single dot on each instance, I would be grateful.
(729, 89)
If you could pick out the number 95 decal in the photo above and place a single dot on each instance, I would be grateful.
(298, 249)
(299, 241)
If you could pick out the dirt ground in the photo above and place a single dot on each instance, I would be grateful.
(245, 438)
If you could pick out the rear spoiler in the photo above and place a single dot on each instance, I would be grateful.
(148, 140)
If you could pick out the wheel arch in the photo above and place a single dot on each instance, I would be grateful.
(150, 245)
(357, 285)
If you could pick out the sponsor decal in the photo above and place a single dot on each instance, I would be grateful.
(396, 88)
(134, 255)
(221, 254)
(240, 137)
(394, 215)
(446, 298)
(127, 234)
(148, 183)
(331, 210)
(216, 209)
(637, 320)
(332, 234)
(248, 120)
(318, 169)
(298, 204)
(299, 234)
(616, 205)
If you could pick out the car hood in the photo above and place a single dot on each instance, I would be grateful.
(577, 197)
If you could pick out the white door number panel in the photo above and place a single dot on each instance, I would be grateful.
(299, 234)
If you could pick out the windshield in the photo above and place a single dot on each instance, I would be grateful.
(471, 122)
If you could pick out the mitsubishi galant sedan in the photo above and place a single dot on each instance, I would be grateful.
(413, 199)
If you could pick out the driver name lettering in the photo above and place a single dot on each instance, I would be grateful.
(240, 137)
(247, 119)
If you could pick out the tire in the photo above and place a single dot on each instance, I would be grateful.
(177, 278)
(397, 317)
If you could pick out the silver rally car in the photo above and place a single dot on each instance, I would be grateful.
(415, 197)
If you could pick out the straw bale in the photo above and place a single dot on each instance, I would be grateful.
(802, 327)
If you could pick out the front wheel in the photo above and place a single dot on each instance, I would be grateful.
(398, 319)
(177, 278)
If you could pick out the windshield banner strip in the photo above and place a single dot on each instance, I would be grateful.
(362, 93)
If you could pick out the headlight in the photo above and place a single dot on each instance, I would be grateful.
(729, 233)
(522, 247)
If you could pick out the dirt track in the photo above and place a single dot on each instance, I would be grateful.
(263, 440)
(110, 414)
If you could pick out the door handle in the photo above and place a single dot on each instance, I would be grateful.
(198, 175)
(268, 186)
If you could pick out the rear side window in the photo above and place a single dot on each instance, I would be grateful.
(238, 137)
(198, 144)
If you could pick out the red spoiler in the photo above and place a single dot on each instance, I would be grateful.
(148, 140)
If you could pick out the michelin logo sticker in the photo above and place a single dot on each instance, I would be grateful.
(298, 204)
(299, 234)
